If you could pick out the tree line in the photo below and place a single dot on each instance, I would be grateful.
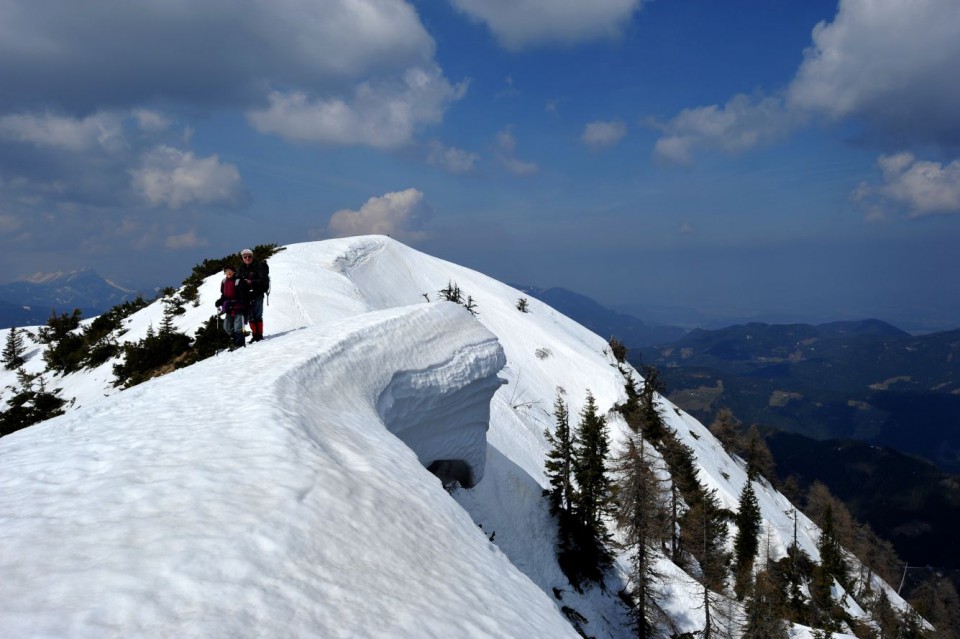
(650, 491)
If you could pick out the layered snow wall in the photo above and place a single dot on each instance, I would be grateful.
(264, 493)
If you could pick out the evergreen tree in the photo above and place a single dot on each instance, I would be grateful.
(452, 293)
(746, 542)
(831, 553)
(32, 403)
(167, 326)
(641, 510)
(825, 613)
(886, 618)
(651, 416)
(66, 350)
(587, 556)
(58, 326)
(13, 350)
(559, 463)
(154, 355)
(763, 620)
(703, 533)
(593, 497)
(618, 349)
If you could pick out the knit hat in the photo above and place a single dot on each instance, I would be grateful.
(246, 252)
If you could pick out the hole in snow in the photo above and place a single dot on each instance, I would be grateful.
(450, 471)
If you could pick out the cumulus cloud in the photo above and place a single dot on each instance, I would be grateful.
(920, 187)
(601, 135)
(173, 178)
(741, 123)
(506, 151)
(101, 130)
(885, 64)
(890, 63)
(78, 56)
(451, 159)
(520, 23)
(400, 215)
(382, 114)
(151, 121)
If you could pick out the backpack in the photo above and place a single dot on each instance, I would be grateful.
(266, 278)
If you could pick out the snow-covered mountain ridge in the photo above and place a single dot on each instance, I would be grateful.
(281, 490)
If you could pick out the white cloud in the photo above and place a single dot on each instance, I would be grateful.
(740, 124)
(917, 186)
(521, 23)
(601, 135)
(52, 53)
(892, 63)
(187, 240)
(506, 154)
(399, 215)
(101, 130)
(171, 177)
(887, 64)
(151, 121)
(451, 159)
(382, 114)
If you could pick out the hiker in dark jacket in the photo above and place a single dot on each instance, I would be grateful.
(255, 275)
(233, 304)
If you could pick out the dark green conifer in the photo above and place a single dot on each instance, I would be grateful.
(590, 469)
(559, 463)
(13, 350)
(746, 541)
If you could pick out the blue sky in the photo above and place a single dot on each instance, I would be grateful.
(725, 158)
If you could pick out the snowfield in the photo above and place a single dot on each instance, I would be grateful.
(284, 490)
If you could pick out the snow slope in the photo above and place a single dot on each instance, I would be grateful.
(281, 489)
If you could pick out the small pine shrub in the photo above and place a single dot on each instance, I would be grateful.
(452, 293)
(209, 340)
(148, 357)
(618, 349)
(65, 348)
(32, 403)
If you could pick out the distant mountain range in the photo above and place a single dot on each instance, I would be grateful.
(28, 302)
(865, 380)
(633, 332)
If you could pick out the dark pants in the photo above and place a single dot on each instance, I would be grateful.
(255, 317)
(233, 325)
(255, 309)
